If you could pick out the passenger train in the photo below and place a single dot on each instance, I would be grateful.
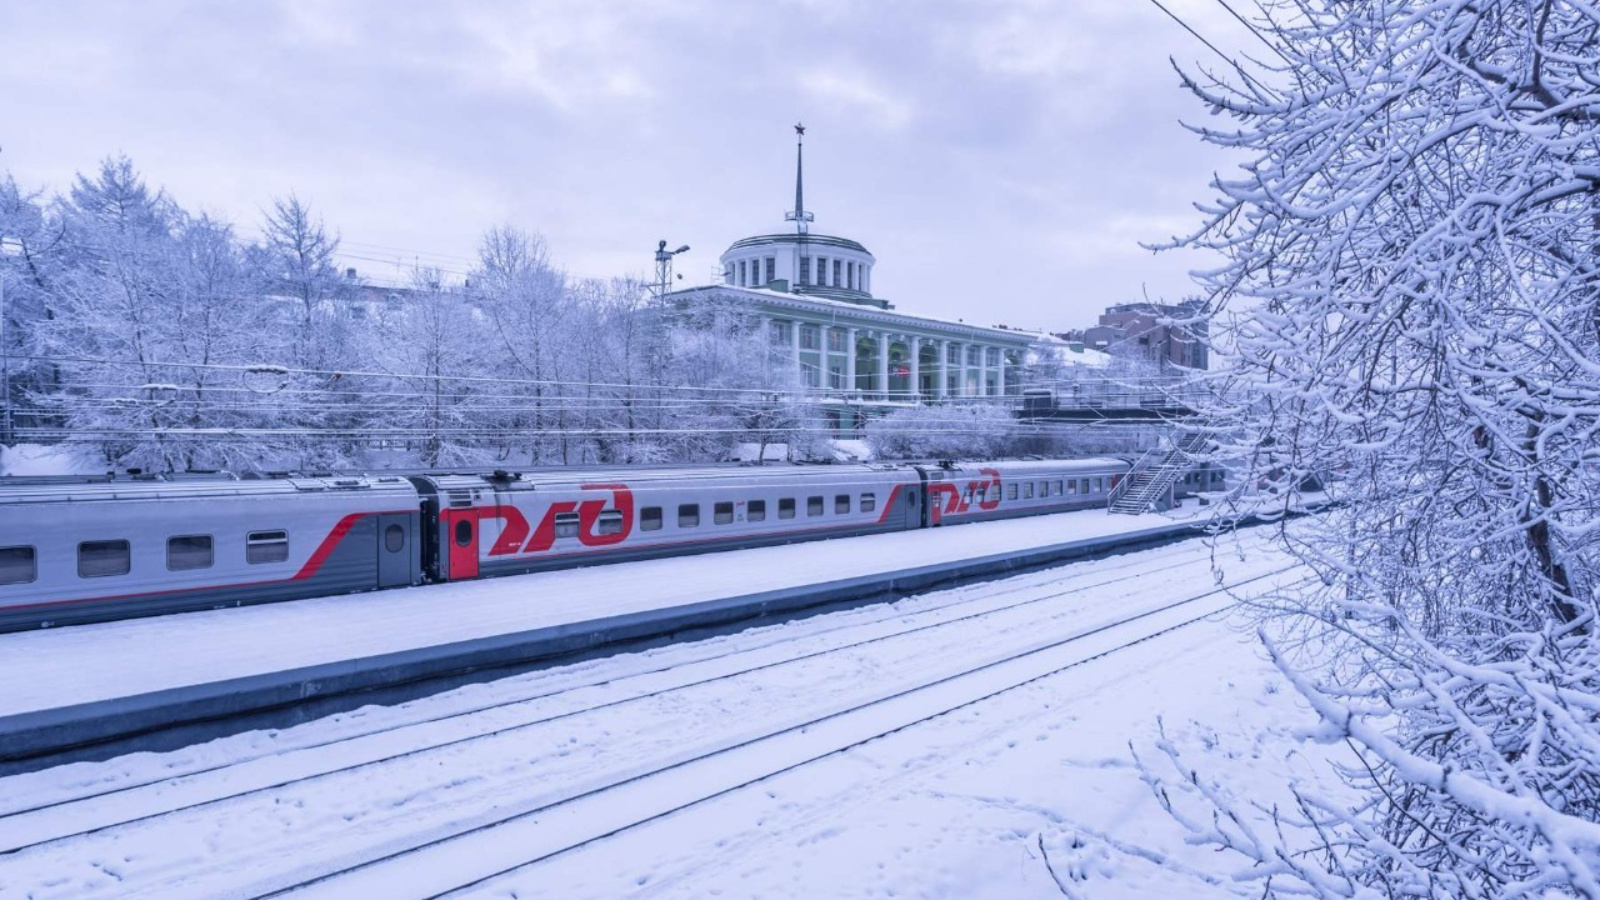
(86, 549)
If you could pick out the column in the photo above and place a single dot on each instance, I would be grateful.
(883, 363)
(824, 362)
(794, 350)
(916, 368)
(944, 370)
(1000, 377)
(850, 359)
(983, 371)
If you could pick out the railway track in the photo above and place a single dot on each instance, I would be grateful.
(543, 819)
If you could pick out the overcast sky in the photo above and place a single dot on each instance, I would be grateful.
(1001, 159)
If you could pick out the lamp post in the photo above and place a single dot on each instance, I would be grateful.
(7, 434)
(664, 266)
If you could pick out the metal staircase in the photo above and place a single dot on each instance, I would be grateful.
(1150, 481)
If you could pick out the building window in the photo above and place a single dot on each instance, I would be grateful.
(850, 275)
(780, 332)
(742, 281)
(952, 354)
(991, 357)
(811, 375)
(650, 518)
(810, 337)
(836, 268)
(836, 338)
(805, 270)
(836, 376)
(18, 565)
(189, 552)
(972, 355)
(772, 270)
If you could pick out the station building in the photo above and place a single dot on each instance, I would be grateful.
(851, 349)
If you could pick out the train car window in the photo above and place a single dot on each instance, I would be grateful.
(273, 546)
(969, 496)
(722, 513)
(1058, 487)
(813, 506)
(18, 565)
(566, 524)
(1027, 491)
(1011, 491)
(869, 502)
(650, 518)
(610, 522)
(785, 507)
(394, 538)
(97, 559)
(689, 515)
(189, 552)
(463, 533)
(756, 511)
(1098, 487)
(841, 503)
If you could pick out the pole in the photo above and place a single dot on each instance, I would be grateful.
(6, 435)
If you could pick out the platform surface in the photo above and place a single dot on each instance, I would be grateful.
(85, 664)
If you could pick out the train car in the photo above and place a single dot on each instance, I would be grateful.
(75, 550)
(976, 492)
(526, 522)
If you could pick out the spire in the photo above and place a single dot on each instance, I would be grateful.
(798, 215)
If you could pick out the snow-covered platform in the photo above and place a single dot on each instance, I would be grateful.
(70, 687)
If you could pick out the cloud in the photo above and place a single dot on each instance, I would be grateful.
(861, 95)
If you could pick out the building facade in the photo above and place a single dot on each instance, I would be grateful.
(1139, 331)
(812, 294)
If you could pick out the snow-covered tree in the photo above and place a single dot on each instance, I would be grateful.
(436, 344)
(526, 302)
(1410, 315)
(722, 380)
(27, 243)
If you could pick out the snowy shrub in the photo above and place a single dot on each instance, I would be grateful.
(956, 431)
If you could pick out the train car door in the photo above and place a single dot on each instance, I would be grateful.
(396, 550)
(463, 540)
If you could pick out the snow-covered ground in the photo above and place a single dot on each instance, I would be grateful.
(963, 743)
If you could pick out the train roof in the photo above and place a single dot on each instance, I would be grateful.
(534, 479)
(58, 489)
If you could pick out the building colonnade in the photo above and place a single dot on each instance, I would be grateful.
(893, 364)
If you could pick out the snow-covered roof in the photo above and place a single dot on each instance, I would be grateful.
(842, 309)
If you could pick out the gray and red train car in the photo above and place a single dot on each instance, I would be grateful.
(89, 549)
